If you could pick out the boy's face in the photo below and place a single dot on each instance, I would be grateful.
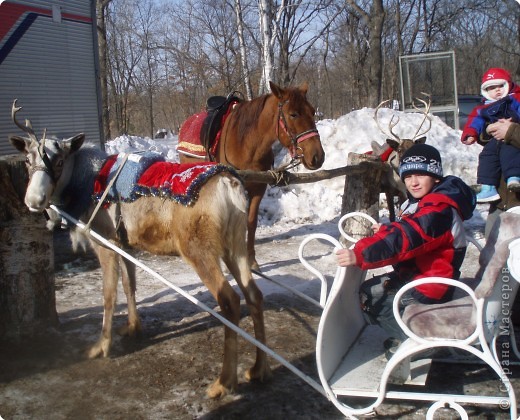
(496, 91)
(418, 185)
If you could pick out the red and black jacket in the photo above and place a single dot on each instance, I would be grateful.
(429, 239)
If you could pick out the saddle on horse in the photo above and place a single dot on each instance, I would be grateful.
(217, 108)
(200, 133)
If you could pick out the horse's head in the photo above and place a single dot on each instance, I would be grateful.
(296, 126)
(46, 161)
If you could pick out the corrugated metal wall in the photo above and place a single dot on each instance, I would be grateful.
(48, 62)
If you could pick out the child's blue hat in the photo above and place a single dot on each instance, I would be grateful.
(421, 159)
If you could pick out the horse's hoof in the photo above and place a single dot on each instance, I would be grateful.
(130, 330)
(262, 373)
(255, 266)
(217, 390)
(98, 350)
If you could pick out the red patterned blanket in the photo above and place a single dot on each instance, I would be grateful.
(176, 181)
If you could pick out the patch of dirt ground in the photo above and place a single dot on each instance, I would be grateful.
(164, 373)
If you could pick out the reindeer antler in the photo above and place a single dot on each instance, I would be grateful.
(391, 124)
(27, 128)
(427, 106)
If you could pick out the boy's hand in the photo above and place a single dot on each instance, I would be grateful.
(346, 257)
(469, 140)
(375, 227)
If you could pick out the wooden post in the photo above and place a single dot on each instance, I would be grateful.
(27, 294)
(361, 194)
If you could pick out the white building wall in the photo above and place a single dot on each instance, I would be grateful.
(48, 63)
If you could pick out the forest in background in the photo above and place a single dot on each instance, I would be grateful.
(160, 60)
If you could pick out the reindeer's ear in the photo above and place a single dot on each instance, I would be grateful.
(420, 140)
(394, 144)
(304, 87)
(76, 142)
(19, 143)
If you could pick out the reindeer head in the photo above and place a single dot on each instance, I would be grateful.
(45, 162)
(402, 145)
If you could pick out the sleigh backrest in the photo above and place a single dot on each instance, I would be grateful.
(496, 291)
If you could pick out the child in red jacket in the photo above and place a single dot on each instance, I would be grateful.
(427, 240)
(497, 158)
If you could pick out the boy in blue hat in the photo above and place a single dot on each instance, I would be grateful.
(426, 240)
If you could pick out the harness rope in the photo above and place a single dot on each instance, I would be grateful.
(107, 189)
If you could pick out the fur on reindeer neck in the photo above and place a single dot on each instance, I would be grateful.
(76, 196)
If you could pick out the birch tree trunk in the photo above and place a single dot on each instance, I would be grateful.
(101, 6)
(243, 49)
(265, 11)
(27, 294)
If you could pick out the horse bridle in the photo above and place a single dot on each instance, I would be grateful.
(295, 139)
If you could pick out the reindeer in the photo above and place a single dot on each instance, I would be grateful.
(213, 229)
(391, 183)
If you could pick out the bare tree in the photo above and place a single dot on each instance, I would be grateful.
(147, 18)
(243, 49)
(300, 26)
(265, 15)
(101, 6)
(373, 19)
(165, 59)
(125, 53)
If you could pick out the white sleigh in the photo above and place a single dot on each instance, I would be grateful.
(350, 354)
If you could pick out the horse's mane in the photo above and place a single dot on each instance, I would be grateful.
(77, 196)
(247, 115)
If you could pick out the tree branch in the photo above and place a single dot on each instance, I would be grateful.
(283, 178)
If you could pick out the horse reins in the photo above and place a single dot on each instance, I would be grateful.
(295, 139)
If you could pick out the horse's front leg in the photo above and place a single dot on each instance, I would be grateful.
(109, 262)
(255, 197)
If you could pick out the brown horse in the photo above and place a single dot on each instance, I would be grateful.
(249, 133)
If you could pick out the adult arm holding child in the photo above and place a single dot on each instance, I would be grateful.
(505, 130)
